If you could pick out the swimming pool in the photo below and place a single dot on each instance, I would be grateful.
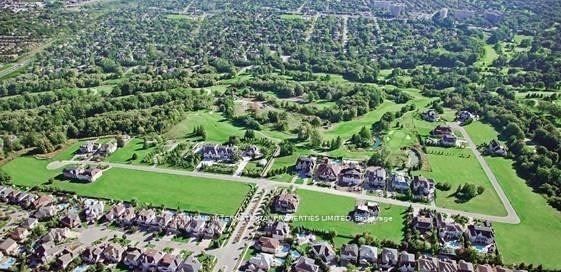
(7, 264)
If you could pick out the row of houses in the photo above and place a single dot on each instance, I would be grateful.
(227, 153)
(479, 234)
(351, 174)
(51, 246)
(62, 255)
(137, 259)
(45, 206)
(167, 221)
(59, 247)
(384, 259)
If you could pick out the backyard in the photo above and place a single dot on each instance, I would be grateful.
(318, 204)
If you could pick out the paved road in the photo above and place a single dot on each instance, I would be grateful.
(14, 67)
(230, 255)
(511, 218)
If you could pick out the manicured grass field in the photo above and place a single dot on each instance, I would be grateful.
(347, 129)
(217, 128)
(322, 205)
(345, 152)
(28, 171)
(292, 17)
(454, 169)
(489, 56)
(481, 133)
(188, 193)
(68, 152)
(288, 161)
(536, 239)
(124, 154)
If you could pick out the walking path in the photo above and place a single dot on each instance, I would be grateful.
(511, 218)
(511, 213)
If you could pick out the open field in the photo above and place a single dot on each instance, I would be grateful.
(489, 56)
(172, 191)
(536, 239)
(28, 171)
(481, 133)
(292, 16)
(322, 205)
(124, 154)
(347, 129)
(453, 166)
(217, 128)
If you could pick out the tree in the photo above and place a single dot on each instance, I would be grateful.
(120, 141)
(315, 138)
(365, 134)
(249, 134)
(480, 190)
(286, 148)
(5, 178)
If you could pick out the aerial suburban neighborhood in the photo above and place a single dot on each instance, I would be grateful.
(280, 136)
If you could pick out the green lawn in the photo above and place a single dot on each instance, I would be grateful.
(124, 154)
(217, 128)
(489, 56)
(345, 152)
(68, 152)
(292, 17)
(288, 161)
(173, 191)
(456, 170)
(481, 133)
(347, 129)
(536, 239)
(319, 204)
(28, 171)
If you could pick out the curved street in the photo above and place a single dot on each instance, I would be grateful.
(512, 216)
